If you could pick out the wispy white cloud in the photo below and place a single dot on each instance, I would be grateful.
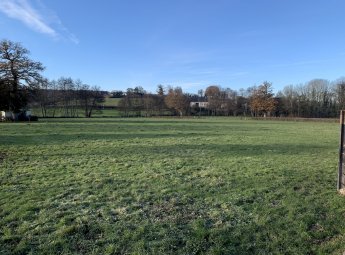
(21, 10)
(69, 35)
(36, 19)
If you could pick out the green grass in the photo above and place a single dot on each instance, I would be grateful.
(170, 186)
(81, 113)
(111, 101)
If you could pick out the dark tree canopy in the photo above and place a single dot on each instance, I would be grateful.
(160, 90)
(18, 72)
(4, 95)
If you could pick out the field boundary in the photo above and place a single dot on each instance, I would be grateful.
(335, 120)
(341, 177)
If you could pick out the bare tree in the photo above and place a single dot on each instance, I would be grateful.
(133, 101)
(151, 104)
(213, 94)
(229, 102)
(42, 96)
(125, 105)
(19, 72)
(289, 96)
(89, 97)
(339, 92)
(67, 96)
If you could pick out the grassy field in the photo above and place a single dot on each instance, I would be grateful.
(111, 101)
(170, 186)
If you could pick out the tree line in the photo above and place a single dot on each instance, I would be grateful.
(66, 97)
(317, 98)
(22, 86)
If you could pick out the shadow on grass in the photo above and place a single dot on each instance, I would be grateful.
(157, 121)
(190, 150)
(236, 149)
(46, 139)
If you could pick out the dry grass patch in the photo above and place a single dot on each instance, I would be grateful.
(342, 191)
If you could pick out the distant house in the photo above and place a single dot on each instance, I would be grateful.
(22, 116)
(6, 116)
(199, 104)
(2, 115)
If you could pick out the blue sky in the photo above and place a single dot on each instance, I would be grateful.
(117, 44)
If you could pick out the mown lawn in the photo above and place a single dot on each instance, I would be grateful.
(170, 186)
